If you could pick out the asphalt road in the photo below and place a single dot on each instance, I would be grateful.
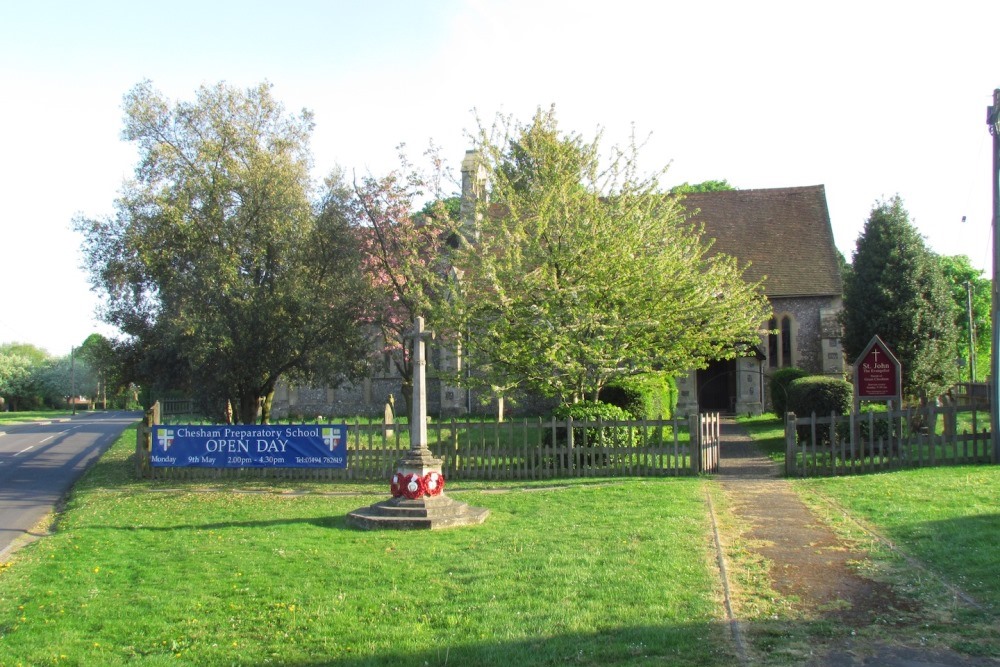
(39, 463)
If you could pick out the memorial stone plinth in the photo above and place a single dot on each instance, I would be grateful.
(419, 500)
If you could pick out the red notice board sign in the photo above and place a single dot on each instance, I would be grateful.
(877, 373)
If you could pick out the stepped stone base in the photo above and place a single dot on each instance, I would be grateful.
(422, 514)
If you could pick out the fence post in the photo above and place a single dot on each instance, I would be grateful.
(789, 443)
(717, 443)
(144, 440)
(694, 432)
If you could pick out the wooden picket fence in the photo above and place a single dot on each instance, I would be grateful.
(875, 442)
(510, 450)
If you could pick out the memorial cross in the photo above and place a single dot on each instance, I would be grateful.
(418, 408)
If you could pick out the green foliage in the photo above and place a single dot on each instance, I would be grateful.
(30, 379)
(704, 186)
(585, 271)
(16, 376)
(878, 427)
(452, 207)
(217, 265)
(593, 436)
(896, 290)
(821, 395)
(780, 379)
(591, 411)
(645, 396)
(960, 276)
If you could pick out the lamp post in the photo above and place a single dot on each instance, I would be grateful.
(993, 120)
(72, 377)
(972, 332)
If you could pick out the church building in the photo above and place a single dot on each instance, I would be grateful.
(785, 236)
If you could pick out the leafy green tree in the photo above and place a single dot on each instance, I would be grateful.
(16, 376)
(704, 186)
(217, 263)
(35, 355)
(585, 271)
(111, 366)
(60, 378)
(897, 291)
(959, 273)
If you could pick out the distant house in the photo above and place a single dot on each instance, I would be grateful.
(785, 235)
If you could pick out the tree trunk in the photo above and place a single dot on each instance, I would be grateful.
(265, 412)
(249, 403)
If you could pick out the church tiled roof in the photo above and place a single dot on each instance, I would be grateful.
(784, 233)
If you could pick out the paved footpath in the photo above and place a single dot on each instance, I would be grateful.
(810, 565)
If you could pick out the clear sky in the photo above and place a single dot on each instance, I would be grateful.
(868, 98)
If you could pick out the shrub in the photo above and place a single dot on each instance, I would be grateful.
(882, 426)
(820, 394)
(612, 435)
(644, 396)
(780, 380)
(592, 411)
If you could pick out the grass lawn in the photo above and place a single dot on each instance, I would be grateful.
(944, 525)
(768, 432)
(948, 517)
(592, 573)
(27, 416)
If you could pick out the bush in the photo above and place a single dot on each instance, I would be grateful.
(780, 380)
(820, 394)
(882, 426)
(645, 396)
(612, 435)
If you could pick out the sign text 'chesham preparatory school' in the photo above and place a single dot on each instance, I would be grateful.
(248, 446)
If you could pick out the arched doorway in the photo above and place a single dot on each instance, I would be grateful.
(717, 387)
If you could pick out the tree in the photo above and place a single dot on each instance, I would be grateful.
(959, 274)
(16, 373)
(217, 262)
(30, 378)
(586, 271)
(896, 290)
(704, 186)
(406, 253)
(109, 362)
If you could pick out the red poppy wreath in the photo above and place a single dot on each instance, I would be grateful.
(413, 486)
(434, 483)
(396, 487)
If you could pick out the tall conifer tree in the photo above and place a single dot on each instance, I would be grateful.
(897, 290)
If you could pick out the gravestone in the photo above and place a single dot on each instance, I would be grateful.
(388, 420)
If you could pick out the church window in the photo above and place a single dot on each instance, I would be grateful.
(780, 349)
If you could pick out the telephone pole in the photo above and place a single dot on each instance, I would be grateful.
(993, 120)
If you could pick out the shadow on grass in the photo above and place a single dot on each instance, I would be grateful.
(964, 550)
(678, 644)
(334, 522)
(811, 643)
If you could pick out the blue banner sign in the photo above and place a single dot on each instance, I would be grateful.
(250, 446)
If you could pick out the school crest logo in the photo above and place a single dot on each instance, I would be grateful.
(165, 438)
